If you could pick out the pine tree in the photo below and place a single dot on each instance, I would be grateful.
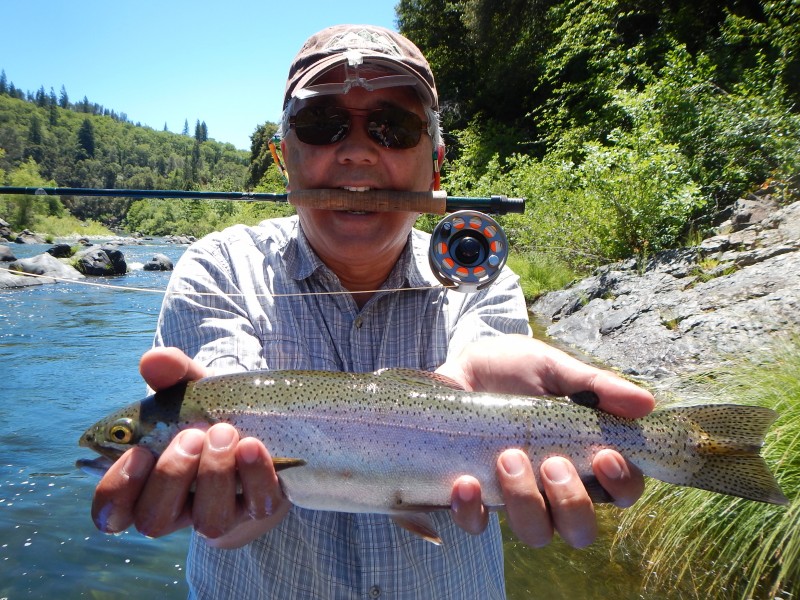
(185, 127)
(86, 139)
(63, 99)
(3, 82)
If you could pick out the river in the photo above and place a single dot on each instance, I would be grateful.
(68, 355)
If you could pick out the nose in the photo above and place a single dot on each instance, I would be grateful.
(357, 147)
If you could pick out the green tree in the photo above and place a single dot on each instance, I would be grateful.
(63, 98)
(86, 139)
(260, 154)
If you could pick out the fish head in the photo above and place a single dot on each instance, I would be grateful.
(150, 423)
(114, 434)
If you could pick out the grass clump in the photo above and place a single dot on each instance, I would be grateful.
(540, 273)
(729, 547)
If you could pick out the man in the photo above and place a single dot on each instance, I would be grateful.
(360, 113)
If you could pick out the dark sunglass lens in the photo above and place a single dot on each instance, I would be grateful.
(321, 125)
(395, 128)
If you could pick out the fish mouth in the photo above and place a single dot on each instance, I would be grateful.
(95, 466)
(88, 440)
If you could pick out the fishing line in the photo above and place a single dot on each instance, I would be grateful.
(277, 295)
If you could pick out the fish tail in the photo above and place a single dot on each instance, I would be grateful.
(729, 440)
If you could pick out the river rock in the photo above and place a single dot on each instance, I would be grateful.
(26, 236)
(736, 293)
(6, 255)
(102, 260)
(48, 268)
(5, 231)
(159, 262)
(60, 251)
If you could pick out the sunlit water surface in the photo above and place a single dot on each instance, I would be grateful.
(68, 355)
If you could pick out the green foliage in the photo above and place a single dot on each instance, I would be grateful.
(261, 157)
(540, 273)
(77, 149)
(728, 547)
(651, 120)
(21, 211)
(198, 217)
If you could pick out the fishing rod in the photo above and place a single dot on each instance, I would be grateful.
(467, 251)
(436, 202)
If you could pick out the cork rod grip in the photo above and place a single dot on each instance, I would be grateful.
(372, 200)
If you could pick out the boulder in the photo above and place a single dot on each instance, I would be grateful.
(48, 269)
(159, 262)
(29, 237)
(6, 255)
(101, 261)
(60, 251)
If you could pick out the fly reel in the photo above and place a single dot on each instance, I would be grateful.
(468, 250)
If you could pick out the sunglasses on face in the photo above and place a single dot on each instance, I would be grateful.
(390, 127)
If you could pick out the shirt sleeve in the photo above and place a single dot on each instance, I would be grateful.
(497, 310)
(204, 312)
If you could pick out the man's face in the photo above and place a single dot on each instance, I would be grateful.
(358, 162)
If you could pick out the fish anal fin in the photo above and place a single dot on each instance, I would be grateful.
(416, 377)
(418, 523)
(281, 463)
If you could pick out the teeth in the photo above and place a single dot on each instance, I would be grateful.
(356, 189)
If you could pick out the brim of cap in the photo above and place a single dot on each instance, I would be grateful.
(323, 66)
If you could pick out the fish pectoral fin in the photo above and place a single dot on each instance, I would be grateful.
(418, 523)
(416, 377)
(281, 463)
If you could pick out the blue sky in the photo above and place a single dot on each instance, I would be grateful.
(165, 61)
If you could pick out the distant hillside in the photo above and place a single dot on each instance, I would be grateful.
(86, 145)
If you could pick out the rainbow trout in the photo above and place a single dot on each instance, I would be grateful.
(395, 440)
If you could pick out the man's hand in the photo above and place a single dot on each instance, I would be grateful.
(156, 495)
(519, 365)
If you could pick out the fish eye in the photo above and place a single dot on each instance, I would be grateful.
(121, 431)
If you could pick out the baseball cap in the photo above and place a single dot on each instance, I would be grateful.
(355, 46)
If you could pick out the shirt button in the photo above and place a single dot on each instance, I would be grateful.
(374, 592)
(358, 323)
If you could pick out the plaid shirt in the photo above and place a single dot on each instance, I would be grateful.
(259, 298)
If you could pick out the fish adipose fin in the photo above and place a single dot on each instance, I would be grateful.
(730, 438)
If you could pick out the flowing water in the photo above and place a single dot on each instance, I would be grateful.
(68, 355)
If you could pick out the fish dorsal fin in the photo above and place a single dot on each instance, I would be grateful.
(418, 523)
(416, 377)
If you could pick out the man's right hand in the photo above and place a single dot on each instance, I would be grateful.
(156, 495)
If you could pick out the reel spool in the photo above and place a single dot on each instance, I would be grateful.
(468, 250)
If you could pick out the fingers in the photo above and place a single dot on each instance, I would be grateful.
(214, 511)
(622, 480)
(527, 512)
(469, 513)
(164, 505)
(194, 483)
(164, 367)
(261, 489)
(117, 493)
(571, 508)
(514, 364)
(568, 509)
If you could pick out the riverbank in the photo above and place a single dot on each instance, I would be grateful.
(689, 310)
